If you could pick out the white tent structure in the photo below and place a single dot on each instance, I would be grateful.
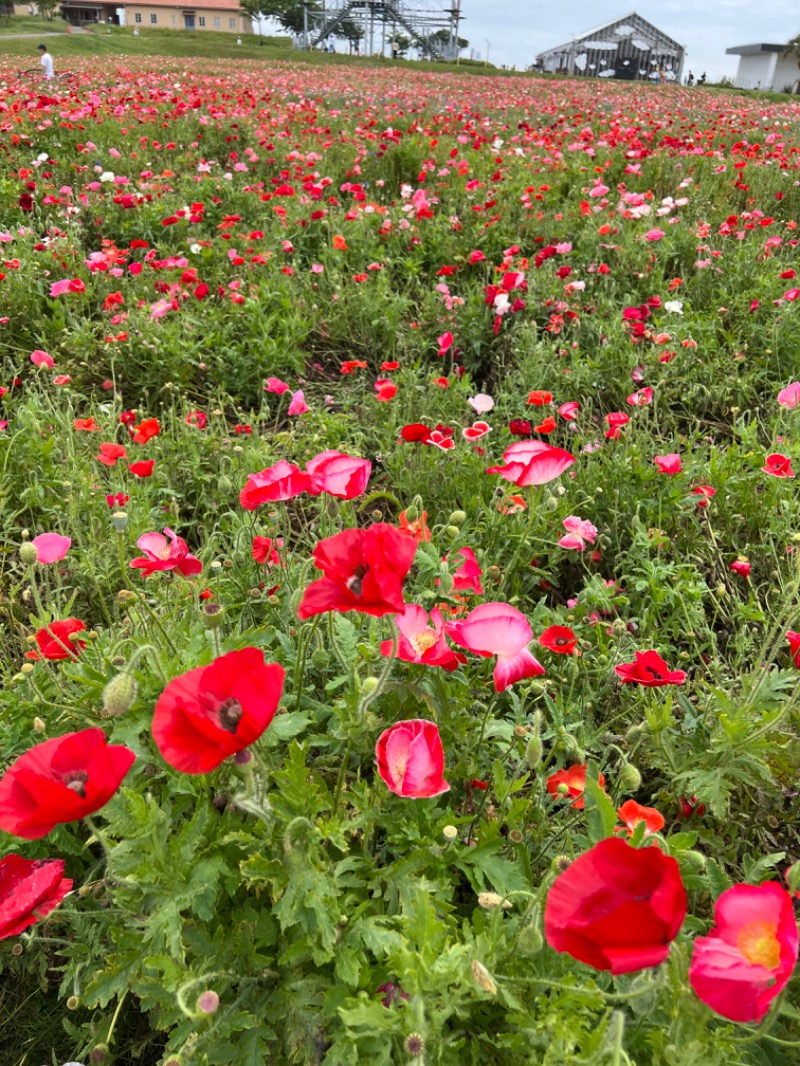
(765, 66)
(630, 48)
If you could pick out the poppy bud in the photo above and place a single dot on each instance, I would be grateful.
(369, 685)
(694, 861)
(449, 833)
(446, 581)
(319, 658)
(29, 554)
(225, 485)
(457, 518)
(332, 508)
(630, 779)
(412, 514)
(530, 940)
(534, 752)
(119, 520)
(482, 978)
(520, 730)
(126, 596)
(118, 695)
(551, 504)
(490, 901)
(39, 725)
(26, 668)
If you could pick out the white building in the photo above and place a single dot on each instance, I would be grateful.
(765, 66)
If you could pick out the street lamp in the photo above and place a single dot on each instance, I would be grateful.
(488, 47)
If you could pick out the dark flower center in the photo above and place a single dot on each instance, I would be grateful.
(655, 674)
(76, 780)
(355, 583)
(230, 714)
(561, 642)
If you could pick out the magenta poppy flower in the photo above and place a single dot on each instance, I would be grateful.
(778, 465)
(467, 578)
(410, 759)
(162, 555)
(580, 532)
(790, 396)
(749, 955)
(283, 481)
(298, 406)
(421, 641)
(668, 464)
(340, 475)
(650, 670)
(501, 630)
(276, 385)
(51, 547)
(40, 358)
(532, 462)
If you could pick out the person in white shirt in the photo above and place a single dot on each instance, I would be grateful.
(47, 62)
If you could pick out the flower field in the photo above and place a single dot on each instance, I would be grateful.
(400, 570)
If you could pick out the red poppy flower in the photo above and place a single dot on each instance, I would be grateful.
(559, 639)
(29, 891)
(197, 418)
(340, 475)
(57, 640)
(263, 551)
(571, 783)
(778, 465)
(416, 433)
(145, 431)
(61, 780)
(794, 646)
(208, 714)
(546, 426)
(616, 907)
(539, 398)
(142, 468)
(741, 566)
(283, 481)
(364, 571)
(410, 759)
(703, 494)
(86, 425)
(532, 462)
(519, 427)
(418, 529)
(631, 813)
(650, 670)
(467, 577)
(110, 453)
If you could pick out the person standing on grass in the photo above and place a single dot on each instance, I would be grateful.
(47, 62)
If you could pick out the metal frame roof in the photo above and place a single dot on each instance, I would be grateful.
(754, 49)
(632, 16)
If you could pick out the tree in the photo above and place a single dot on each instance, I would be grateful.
(443, 36)
(289, 14)
(47, 9)
(350, 30)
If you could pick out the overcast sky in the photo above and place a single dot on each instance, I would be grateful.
(519, 30)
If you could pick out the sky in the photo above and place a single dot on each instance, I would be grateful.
(519, 30)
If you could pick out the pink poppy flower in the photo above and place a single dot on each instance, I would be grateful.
(569, 410)
(40, 358)
(532, 462)
(467, 578)
(160, 555)
(421, 641)
(641, 398)
(298, 406)
(445, 343)
(276, 385)
(654, 234)
(501, 630)
(410, 759)
(668, 464)
(580, 532)
(340, 475)
(778, 465)
(481, 403)
(58, 288)
(750, 953)
(790, 396)
(794, 646)
(51, 547)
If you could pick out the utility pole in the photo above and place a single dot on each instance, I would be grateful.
(305, 26)
(488, 47)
